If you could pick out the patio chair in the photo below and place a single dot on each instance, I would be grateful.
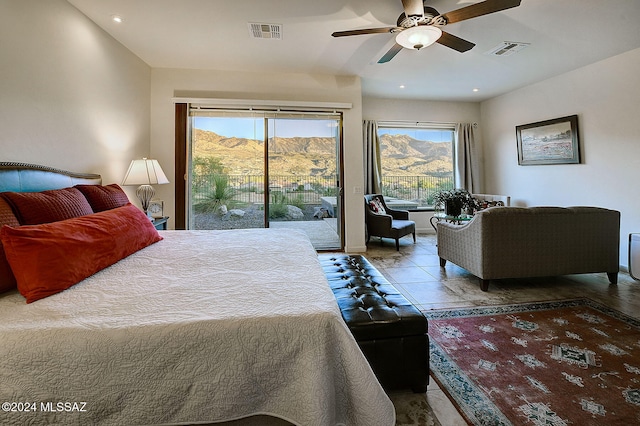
(385, 222)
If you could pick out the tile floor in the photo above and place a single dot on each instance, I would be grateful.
(416, 272)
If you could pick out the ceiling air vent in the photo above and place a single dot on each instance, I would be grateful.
(507, 48)
(268, 31)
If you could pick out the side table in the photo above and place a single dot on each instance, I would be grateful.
(160, 223)
(453, 219)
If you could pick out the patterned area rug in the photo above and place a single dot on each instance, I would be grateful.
(572, 362)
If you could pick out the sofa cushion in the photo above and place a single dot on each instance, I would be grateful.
(105, 197)
(49, 258)
(33, 208)
(7, 280)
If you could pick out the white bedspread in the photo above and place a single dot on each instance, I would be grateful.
(203, 326)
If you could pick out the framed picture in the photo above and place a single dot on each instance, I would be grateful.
(549, 142)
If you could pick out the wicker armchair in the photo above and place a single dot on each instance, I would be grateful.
(385, 222)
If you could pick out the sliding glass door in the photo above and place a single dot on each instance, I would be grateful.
(227, 172)
(266, 169)
(302, 164)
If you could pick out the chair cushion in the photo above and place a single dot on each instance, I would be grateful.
(402, 224)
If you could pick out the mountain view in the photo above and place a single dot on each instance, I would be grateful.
(297, 156)
(403, 155)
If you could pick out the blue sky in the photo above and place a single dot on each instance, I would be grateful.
(420, 134)
(253, 128)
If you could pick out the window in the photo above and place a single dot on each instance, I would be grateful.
(417, 161)
(262, 168)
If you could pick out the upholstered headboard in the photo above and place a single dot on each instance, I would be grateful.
(22, 177)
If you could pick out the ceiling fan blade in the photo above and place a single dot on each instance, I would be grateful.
(364, 31)
(390, 54)
(484, 8)
(413, 7)
(455, 42)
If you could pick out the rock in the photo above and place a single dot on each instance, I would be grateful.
(236, 213)
(233, 214)
(294, 213)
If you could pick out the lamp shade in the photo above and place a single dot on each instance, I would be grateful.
(144, 172)
(418, 37)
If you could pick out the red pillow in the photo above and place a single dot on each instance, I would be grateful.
(33, 208)
(376, 206)
(103, 198)
(7, 280)
(49, 258)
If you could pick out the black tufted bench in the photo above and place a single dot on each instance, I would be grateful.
(391, 332)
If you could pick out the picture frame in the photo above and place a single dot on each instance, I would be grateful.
(553, 141)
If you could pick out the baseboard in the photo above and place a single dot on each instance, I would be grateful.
(428, 230)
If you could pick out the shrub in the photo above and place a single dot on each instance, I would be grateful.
(222, 195)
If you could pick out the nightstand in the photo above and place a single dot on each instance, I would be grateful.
(160, 223)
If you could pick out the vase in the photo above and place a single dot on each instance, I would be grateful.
(452, 208)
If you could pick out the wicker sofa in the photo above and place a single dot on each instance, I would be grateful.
(518, 242)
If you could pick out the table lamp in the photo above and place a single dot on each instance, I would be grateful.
(145, 172)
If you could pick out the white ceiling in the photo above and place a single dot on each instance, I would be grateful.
(213, 34)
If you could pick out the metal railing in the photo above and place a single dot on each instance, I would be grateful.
(419, 189)
(310, 189)
(250, 188)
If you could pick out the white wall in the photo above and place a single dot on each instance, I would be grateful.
(605, 96)
(71, 97)
(74, 98)
(169, 83)
(411, 110)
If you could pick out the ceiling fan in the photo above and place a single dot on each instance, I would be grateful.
(420, 26)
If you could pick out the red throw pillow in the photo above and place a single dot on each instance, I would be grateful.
(376, 206)
(7, 280)
(103, 198)
(49, 258)
(33, 208)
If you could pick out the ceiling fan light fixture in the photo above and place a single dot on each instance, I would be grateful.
(418, 37)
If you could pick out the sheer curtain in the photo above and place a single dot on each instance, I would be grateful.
(467, 173)
(372, 165)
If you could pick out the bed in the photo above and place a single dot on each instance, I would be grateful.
(200, 327)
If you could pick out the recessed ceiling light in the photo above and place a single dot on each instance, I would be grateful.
(117, 18)
(476, 89)
(402, 86)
